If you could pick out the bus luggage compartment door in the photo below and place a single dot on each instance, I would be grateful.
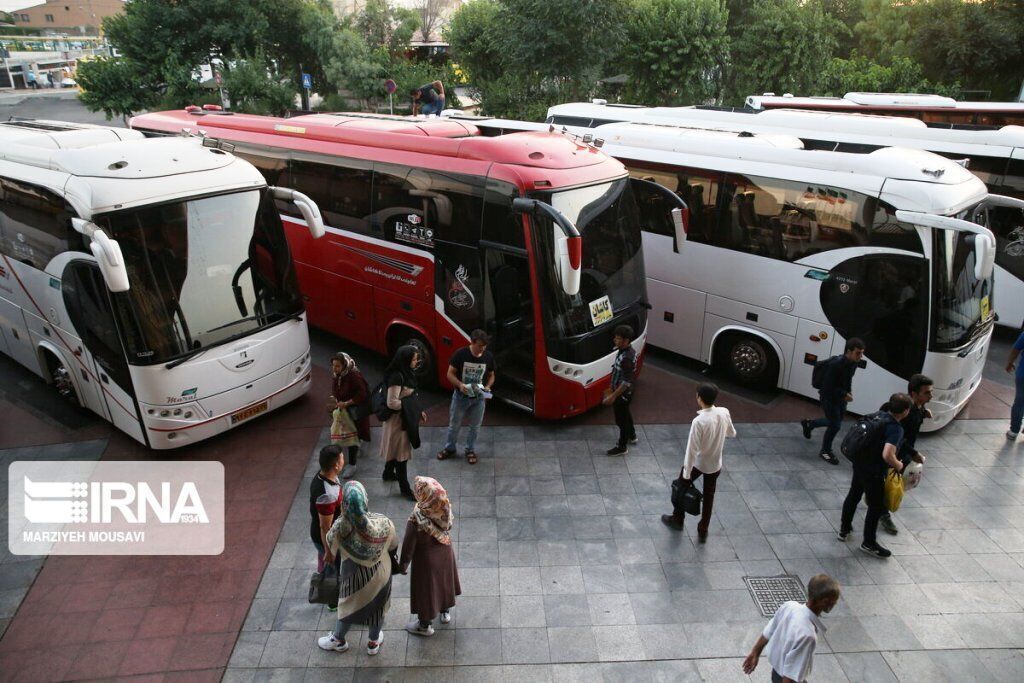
(676, 320)
(813, 343)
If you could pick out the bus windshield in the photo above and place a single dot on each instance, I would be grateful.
(201, 271)
(963, 305)
(607, 218)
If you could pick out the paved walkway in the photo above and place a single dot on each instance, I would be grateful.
(567, 573)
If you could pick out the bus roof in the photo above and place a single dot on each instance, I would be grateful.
(882, 100)
(101, 169)
(434, 136)
(808, 124)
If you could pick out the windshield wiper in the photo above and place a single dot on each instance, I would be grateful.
(289, 316)
(181, 359)
(195, 352)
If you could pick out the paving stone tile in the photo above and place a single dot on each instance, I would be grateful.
(478, 612)
(557, 553)
(654, 608)
(609, 609)
(521, 611)
(477, 646)
(618, 643)
(604, 579)
(524, 646)
(567, 610)
(288, 648)
(561, 580)
(437, 650)
(572, 644)
(477, 554)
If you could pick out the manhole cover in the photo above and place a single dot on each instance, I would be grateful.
(771, 591)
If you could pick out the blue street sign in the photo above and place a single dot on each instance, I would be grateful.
(307, 81)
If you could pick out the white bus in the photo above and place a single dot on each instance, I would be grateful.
(790, 252)
(148, 280)
(996, 155)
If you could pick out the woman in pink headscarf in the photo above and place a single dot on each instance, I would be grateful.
(428, 547)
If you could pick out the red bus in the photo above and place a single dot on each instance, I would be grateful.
(934, 110)
(434, 230)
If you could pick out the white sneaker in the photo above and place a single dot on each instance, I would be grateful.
(332, 644)
(1011, 435)
(373, 646)
(446, 617)
(414, 628)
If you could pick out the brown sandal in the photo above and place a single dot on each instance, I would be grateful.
(471, 457)
(444, 455)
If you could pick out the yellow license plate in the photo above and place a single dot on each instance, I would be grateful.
(984, 307)
(251, 411)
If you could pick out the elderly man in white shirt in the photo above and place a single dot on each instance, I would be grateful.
(708, 432)
(792, 634)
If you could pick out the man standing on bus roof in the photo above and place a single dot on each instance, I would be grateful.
(835, 393)
(620, 395)
(471, 372)
(428, 99)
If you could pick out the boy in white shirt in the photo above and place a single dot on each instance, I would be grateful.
(708, 432)
(792, 634)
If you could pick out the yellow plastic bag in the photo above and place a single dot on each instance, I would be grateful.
(893, 491)
(343, 429)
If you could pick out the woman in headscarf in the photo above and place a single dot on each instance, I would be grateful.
(428, 547)
(366, 542)
(401, 431)
(350, 409)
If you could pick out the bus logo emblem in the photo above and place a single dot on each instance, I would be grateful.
(414, 219)
(459, 295)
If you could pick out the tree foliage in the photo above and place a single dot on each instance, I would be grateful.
(859, 74)
(115, 86)
(674, 52)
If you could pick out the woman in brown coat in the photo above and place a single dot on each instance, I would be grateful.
(428, 547)
(350, 399)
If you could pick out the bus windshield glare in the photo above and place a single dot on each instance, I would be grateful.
(612, 264)
(963, 305)
(201, 272)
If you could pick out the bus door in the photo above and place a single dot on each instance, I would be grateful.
(88, 307)
(508, 309)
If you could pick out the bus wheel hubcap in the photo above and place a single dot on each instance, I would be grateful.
(62, 382)
(748, 359)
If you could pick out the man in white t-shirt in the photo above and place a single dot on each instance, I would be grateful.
(708, 432)
(792, 634)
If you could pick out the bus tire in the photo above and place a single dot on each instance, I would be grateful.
(60, 379)
(749, 360)
(426, 372)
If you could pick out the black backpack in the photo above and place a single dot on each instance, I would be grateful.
(379, 402)
(866, 437)
(818, 373)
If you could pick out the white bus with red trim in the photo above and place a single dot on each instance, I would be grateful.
(792, 251)
(148, 280)
(434, 230)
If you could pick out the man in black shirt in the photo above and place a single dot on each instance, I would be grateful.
(620, 395)
(836, 391)
(471, 373)
(325, 503)
(428, 99)
(920, 389)
(868, 480)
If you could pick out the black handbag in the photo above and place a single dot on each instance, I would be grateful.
(688, 499)
(323, 586)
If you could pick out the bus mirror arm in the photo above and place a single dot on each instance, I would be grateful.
(107, 253)
(679, 216)
(984, 240)
(306, 206)
(568, 250)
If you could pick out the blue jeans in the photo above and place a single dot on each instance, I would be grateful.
(435, 107)
(341, 628)
(472, 409)
(1017, 411)
(832, 421)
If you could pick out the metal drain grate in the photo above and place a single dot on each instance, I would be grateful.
(771, 591)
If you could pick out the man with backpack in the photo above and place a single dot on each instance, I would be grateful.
(919, 389)
(872, 445)
(833, 378)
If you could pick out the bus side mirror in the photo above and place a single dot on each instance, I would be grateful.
(108, 255)
(568, 251)
(984, 256)
(306, 206)
(680, 219)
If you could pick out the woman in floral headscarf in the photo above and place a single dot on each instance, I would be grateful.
(428, 547)
(366, 542)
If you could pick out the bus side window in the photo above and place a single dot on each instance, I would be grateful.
(500, 224)
(341, 192)
(454, 204)
(395, 212)
(35, 224)
(85, 297)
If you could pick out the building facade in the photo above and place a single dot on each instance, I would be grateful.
(73, 17)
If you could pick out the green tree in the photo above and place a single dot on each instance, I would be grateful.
(387, 28)
(859, 74)
(674, 51)
(884, 29)
(355, 67)
(115, 86)
(254, 90)
(474, 32)
(782, 46)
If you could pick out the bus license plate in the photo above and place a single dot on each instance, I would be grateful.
(985, 307)
(251, 411)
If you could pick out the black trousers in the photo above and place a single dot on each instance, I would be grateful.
(707, 502)
(624, 419)
(400, 470)
(869, 483)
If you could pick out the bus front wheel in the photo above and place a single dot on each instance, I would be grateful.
(749, 360)
(61, 380)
